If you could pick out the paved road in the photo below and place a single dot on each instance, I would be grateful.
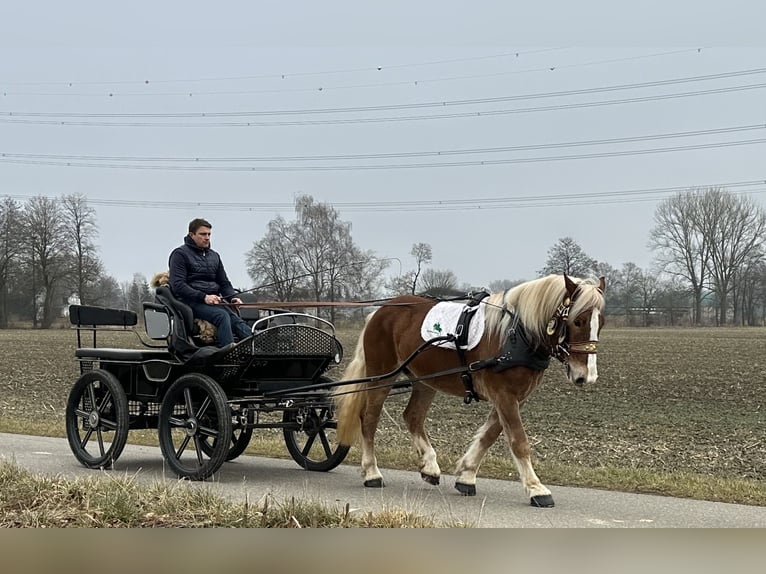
(498, 504)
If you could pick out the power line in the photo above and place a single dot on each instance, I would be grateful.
(395, 107)
(537, 200)
(284, 75)
(368, 167)
(185, 94)
(354, 157)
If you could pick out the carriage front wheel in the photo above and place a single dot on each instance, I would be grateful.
(97, 420)
(310, 437)
(195, 426)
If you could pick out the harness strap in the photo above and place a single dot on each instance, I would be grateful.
(461, 342)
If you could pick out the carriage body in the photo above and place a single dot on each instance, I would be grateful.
(205, 402)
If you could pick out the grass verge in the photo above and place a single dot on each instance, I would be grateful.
(30, 500)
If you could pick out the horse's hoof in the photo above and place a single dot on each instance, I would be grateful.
(542, 501)
(434, 480)
(374, 483)
(466, 489)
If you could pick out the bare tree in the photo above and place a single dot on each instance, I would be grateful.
(10, 246)
(317, 247)
(735, 231)
(439, 281)
(503, 284)
(46, 253)
(80, 234)
(272, 262)
(628, 287)
(566, 256)
(423, 256)
(648, 286)
(682, 245)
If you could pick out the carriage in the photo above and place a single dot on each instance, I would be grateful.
(204, 401)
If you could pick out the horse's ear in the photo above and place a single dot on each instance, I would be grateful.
(601, 284)
(570, 285)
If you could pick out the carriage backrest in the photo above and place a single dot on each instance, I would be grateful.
(82, 315)
(182, 323)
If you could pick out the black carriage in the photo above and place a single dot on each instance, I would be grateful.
(205, 402)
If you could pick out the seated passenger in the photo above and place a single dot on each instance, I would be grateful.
(198, 278)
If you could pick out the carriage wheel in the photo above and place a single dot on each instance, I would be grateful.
(240, 436)
(311, 439)
(194, 412)
(97, 420)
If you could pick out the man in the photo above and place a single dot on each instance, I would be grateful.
(198, 278)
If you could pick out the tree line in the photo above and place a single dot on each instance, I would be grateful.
(709, 263)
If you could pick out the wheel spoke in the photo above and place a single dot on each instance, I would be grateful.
(86, 438)
(188, 402)
(107, 400)
(92, 396)
(207, 431)
(100, 441)
(203, 407)
(109, 425)
(325, 443)
(308, 445)
(182, 447)
(198, 449)
(176, 422)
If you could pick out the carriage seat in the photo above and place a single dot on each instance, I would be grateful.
(122, 355)
(183, 343)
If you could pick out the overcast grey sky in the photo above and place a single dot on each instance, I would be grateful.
(139, 65)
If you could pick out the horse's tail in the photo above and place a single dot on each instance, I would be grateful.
(351, 399)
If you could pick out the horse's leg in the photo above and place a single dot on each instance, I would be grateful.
(370, 418)
(468, 465)
(415, 416)
(510, 417)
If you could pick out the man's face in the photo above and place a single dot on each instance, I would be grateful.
(201, 237)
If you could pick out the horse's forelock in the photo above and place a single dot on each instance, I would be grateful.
(589, 296)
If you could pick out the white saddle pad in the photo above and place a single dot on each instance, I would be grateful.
(442, 320)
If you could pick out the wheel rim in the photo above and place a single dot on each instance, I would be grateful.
(97, 419)
(314, 444)
(194, 419)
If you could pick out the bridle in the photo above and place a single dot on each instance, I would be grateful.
(560, 347)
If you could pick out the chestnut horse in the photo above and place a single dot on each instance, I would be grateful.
(555, 315)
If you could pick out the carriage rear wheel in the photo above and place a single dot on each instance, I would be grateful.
(310, 436)
(97, 420)
(194, 418)
(241, 433)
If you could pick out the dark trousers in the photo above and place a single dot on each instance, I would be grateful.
(226, 321)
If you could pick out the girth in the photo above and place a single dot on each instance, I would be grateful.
(461, 342)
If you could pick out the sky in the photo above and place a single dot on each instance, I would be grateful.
(165, 111)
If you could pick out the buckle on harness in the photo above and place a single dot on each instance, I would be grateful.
(470, 395)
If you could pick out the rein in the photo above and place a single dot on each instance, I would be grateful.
(556, 329)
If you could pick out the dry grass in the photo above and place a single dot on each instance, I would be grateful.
(675, 411)
(28, 500)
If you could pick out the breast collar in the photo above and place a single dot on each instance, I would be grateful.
(518, 352)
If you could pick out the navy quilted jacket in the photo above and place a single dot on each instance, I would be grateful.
(196, 272)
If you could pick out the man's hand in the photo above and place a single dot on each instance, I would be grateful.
(212, 299)
(236, 301)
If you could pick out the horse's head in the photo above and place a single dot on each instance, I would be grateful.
(581, 317)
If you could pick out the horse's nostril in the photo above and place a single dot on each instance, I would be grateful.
(580, 381)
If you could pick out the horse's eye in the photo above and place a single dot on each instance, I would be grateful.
(577, 323)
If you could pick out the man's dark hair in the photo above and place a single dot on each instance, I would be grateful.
(195, 224)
